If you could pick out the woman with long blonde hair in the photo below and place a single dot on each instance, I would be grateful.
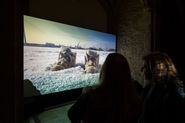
(164, 92)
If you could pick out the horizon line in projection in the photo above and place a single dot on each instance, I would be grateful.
(41, 31)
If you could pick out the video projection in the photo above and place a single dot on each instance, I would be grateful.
(60, 57)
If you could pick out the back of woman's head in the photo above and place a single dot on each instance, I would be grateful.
(115, 79)
(115, 71)
(159, 67)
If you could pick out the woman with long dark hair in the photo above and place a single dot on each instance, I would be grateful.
(115, 100)
(163, 91)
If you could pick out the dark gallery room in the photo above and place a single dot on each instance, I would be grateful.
(55, 55)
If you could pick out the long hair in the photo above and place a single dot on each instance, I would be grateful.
(159, 67)
(160, 94)
(115, 72)
(117, 90)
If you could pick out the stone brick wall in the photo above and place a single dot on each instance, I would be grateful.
(133, 34)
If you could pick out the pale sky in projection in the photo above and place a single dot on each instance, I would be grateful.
(41, 31)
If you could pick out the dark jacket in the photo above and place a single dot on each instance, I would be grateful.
(97, 107)
(89, 108)
(163, 103)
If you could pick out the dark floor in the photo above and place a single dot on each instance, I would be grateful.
(52, 115)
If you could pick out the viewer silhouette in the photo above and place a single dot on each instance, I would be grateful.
(163, 91)
(115, 100)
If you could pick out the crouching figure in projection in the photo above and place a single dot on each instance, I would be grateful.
(66, 59)
(91, 62)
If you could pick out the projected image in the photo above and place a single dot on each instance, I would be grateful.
(60, 57)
